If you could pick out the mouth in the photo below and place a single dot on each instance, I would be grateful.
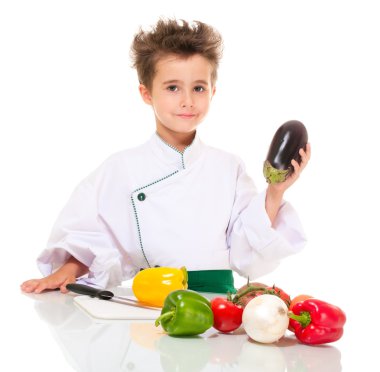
(186, 116)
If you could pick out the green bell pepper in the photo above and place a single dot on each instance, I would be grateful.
(185, 313)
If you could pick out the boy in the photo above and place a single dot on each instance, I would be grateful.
(172, 201)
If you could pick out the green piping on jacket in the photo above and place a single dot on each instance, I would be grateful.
(176, 150)
(150, 184)
(136, 216)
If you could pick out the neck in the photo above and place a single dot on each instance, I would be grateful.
(178, 140)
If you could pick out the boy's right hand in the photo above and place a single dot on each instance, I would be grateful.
(66, 274)
(54, 281)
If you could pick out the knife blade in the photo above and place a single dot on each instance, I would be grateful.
(106, 295)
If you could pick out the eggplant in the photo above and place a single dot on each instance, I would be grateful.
(289, 138)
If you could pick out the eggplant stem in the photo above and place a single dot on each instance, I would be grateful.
(273, 175)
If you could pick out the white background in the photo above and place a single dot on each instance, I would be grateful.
(69, 99)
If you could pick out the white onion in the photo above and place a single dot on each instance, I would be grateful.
(265, 318)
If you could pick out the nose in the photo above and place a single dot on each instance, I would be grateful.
(187, 100)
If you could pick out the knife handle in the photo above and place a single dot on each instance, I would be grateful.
(89, 291)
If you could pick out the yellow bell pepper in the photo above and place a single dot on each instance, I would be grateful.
(152, 285)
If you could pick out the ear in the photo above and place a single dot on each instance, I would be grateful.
(145, 94)
(213, 91)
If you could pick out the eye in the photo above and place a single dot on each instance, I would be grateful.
(172, 88)
(199, 89)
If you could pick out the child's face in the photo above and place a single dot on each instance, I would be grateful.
(181, 93)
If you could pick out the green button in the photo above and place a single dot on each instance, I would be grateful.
(141, 196)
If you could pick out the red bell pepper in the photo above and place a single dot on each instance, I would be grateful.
(317, 322)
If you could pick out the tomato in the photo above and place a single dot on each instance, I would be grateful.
(245, 298)
(261, 289)
(227, 315)
(280, 293)
(299, 298)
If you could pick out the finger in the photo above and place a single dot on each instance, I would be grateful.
(29, 285)
(304, 158)
(296, 167)
(46, 283)
(308, 150)
(70, 279)
(63, 288)
(42, 285)
(305, 154)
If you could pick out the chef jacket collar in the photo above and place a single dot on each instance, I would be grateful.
(170, 155)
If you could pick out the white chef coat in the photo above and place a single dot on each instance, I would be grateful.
(153, 205)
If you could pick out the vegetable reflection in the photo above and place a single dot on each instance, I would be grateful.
(185, 354)
(140, 346)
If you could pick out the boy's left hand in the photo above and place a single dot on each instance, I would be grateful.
(298, 168)
(276, 191)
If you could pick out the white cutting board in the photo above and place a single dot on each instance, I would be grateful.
(103, 309)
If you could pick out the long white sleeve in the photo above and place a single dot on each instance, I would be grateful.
(256, 248)
(80, 232)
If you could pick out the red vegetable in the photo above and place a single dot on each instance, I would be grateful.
(317, 322)
(294, 301)
(228, 311)
(299, 298)
(252, 290)
(227, 315)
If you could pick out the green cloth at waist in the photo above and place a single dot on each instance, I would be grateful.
(217, 281)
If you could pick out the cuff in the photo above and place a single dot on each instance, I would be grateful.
(256, 223)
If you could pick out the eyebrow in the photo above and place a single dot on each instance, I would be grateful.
(178, 81)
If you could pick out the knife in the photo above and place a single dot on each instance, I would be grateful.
(106, 295)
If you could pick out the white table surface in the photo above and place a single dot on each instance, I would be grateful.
(48, 332)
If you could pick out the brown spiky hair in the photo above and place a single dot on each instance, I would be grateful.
(177, 37)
